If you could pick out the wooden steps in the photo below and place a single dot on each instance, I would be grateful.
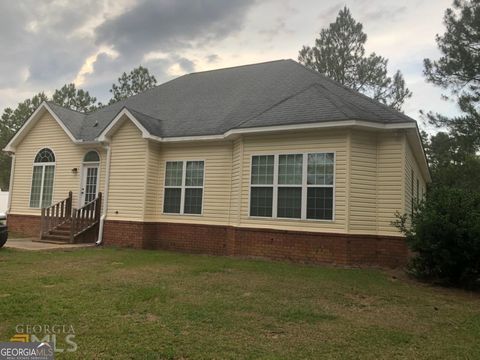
(62, 224)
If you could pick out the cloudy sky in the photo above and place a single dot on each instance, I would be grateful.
(91, 42)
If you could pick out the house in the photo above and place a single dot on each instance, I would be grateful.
(270, 160)
(3, 201)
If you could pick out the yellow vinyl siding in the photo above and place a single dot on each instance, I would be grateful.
(389, 181)
(217, 180)
(375, 182)
(127, 174)
(153, 182)
(235, 196)
(312, 141)
(363, 182)
(47, 133)
(411, 164)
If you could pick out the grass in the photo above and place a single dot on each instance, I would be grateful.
(152, 305)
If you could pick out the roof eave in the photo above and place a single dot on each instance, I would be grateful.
(117, 121)
(276, 128)
(31, 121)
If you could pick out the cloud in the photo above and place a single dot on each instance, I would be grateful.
(383, 13)
(171, 25)
(41, 47)
(157, 34)
(106, 67)
(329, 14)
(46, 44)
(186, 64)
(279, 28)
(211, 58)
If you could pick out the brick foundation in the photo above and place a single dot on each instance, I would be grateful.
(24, 224)
(297, 246)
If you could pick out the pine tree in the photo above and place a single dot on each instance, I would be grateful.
(137, 81)
(339, 53)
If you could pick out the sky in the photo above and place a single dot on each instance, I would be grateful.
(48, 43)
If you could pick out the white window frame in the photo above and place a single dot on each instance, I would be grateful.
(42, 165)
(304, 185)
(183, 187)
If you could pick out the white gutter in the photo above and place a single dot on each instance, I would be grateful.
(10, 187)
(266, 129)
(105, 196)
(261, 129)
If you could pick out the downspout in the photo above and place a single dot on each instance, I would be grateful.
(105, 196)
(10, 187)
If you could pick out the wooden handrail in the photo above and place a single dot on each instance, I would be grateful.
(85, 217)
(56, 215)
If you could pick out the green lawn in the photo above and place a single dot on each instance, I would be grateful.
(152, 304)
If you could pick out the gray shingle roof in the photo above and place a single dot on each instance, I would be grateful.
(279, 92)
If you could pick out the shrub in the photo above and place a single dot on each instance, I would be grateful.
(444, 234)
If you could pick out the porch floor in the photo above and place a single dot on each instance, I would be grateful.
(33, 244)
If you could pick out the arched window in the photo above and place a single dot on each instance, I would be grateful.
(91, 156)
(42, 179)
(45, 155)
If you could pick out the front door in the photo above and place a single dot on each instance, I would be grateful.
(89, 189)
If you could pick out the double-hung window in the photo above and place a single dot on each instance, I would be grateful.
(296, 186)
(261, 191)
(41, 192)
(183, 187)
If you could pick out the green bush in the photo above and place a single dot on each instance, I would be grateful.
(444, 234)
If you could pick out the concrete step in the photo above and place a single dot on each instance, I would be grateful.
(56, 239)
(61, 232)
(45, 241)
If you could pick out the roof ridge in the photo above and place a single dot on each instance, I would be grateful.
(66, 108)
(132, 110)
(137, 94)
(334, 99)
(291, 96)
(237, 66)
(346, 102)
(184, 75)
(373, 101)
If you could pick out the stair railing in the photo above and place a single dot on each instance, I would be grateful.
(55, 215)
(85, 218)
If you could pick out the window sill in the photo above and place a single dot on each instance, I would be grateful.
(178, 214)
(291, 219)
